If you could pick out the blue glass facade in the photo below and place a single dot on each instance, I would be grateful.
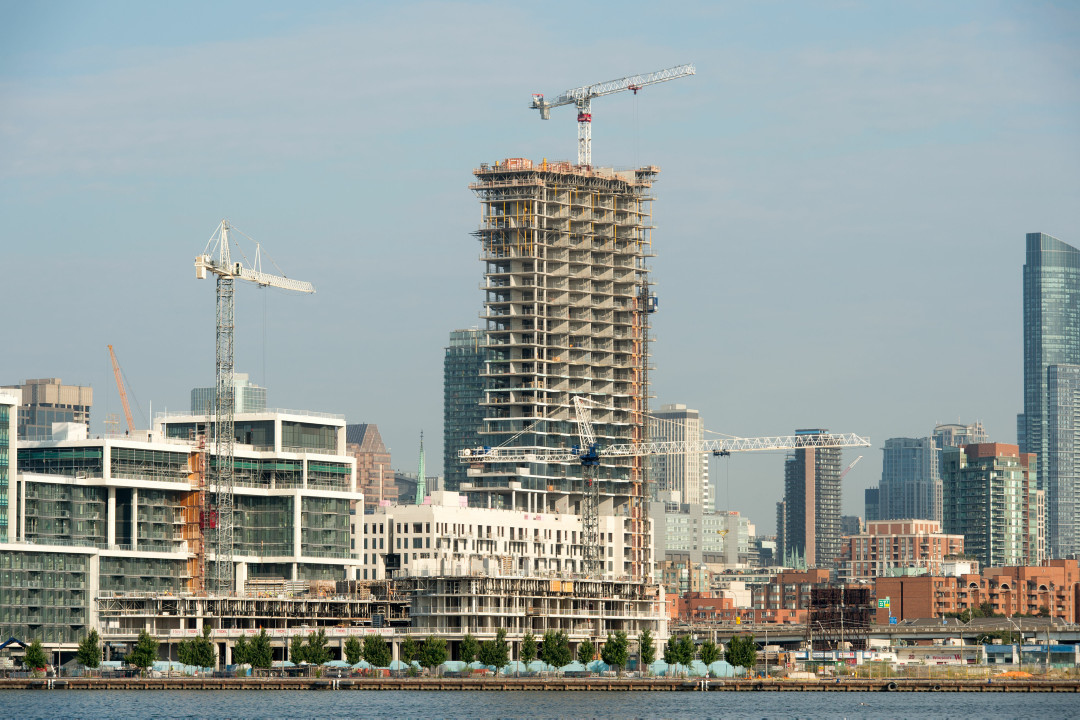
(1051, 337)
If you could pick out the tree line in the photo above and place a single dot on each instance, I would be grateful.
(553, 649)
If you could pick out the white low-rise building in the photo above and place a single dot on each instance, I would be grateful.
(446, 537)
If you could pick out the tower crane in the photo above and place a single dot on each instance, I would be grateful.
(582, 97)
(123, 392)
(217, 259)
(589, 454)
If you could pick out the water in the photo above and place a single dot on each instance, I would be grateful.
(124, 704)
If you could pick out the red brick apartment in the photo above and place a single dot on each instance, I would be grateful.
(1009, 590)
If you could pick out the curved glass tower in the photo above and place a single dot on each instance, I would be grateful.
(1051, 338)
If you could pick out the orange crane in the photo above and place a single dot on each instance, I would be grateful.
(123, 393)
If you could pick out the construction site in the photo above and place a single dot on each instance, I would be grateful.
(237, 520)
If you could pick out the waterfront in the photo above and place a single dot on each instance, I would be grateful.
(121, 705)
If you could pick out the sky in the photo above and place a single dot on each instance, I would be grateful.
(844, 193)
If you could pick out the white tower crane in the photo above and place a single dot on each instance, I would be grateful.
(582, 97)
(589, 454)
(217, 259)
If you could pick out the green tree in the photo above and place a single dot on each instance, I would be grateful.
(434, 653)
(409, 650)
(241, 653)
(353, 651)
(468, 649)
(586, 651)
(495, 653)
(555, 649)
(34, 657)
(316, 652)
(262, 654)
(199, 650)
(145, 652)
(616, 651)
(709, 652)
(528, 649)
(297, 651)
(89, 654)
(686, 650)
(646, 648)
(742, 651)
(376, 651)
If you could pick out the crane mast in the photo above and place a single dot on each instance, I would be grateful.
(581, 97)
(220, 513)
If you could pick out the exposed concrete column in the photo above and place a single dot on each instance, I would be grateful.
(298, 503)
(110, 518)
(135, 518)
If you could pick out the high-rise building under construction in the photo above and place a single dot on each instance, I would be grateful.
(566, 313)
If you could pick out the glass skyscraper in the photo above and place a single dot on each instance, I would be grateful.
(1051, 338)
(463, 391)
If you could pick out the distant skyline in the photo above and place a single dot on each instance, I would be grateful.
(844, 194)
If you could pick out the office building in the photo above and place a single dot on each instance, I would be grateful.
(47, 401)
(680, 478)
(248, 396)
(1051, 337)
(463, 393)
(910, 485)
(991, 498)
(374, 475)
(872, 503)
(566, 313)
(812, 503)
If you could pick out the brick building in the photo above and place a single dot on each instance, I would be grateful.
(1010, 591)
(889, 544)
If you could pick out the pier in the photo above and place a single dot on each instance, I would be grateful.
(557, 684)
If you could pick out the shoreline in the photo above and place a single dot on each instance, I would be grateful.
(551, 684)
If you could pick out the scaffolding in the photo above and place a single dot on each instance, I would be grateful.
(565, 313)
(839, 618)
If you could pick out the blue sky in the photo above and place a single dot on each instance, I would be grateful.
(844, 193)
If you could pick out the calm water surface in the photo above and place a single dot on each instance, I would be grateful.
(120, 704)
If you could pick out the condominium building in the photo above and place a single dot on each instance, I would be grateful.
(812, 503)
(910, 484)
(247, 396)
(680, 478)
(47, 401)
(1051, 337)
(889, 545)
(992, 500)
(114, 516)
(1052, 588)
(566, 313)
(295, 492)
(463, 393)
(445, 536)
(374, 473)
